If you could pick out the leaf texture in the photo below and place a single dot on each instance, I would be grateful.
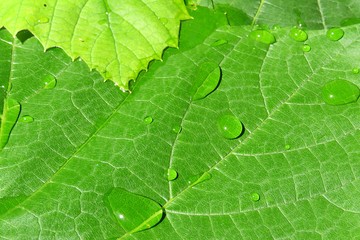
(298, 154)
(118, 38)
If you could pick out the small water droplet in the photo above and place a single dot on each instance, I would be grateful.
(287, 146)
(43, 20)
(177, 129)
(207, 80)
(255, 197)
(50, 82)
(298, 35)
(355, 70)
(262, 36)
(26, 119)
(335, 34)
(338, 92)
(219, 42)
(133, 212)
(197, 179)
(306, 48)
(276, 27)
(81, 40)
(171, 174)
(229, 126)
(148, 120)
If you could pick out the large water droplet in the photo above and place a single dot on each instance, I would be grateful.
(50, 82)
(355, 70)
(197, 179)
(219, 42)
(262, 36)
(287, 147)
(26, 119)
(335, 34)
(9, 117)
(171, 174)
(298, 35)
(148, 120)
(338, 92)
(207, 79)
(229, 126)
(255, 197)
(132, 211)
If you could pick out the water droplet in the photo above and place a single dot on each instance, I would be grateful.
(335, 34)
(177, 129)
(306, 48)
(26, 119)
(338, 92)
(43, 20)
(355, 70)
(81, 40)
(171, 174)
(207, 79)
(287, 147)
(148, 120)
(197, 179)
(219, 42)
(133, 212)
(50, 82)
(255, 197)
(298, 35)
(9, 117)
(230, 127)
(262, 36)
(276, 27)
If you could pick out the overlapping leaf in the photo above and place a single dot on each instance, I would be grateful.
(298, 154)
(118, 39)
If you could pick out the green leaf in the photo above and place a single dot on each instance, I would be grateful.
(106, 34)
(292, 174)
(313, 14)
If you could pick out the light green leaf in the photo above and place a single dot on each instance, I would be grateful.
(292, 174)
(118, 39)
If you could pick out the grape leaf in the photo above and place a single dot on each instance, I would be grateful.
(118, 39)
(293, 173)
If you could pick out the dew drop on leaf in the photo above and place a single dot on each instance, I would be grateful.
(298, 35)
(133, 212)
(276, 27)
(43, 20)
(9, 117)
(255, 197)
(355, 70)
(200, 178)
(306, 48)
(207, 79)
(219, 42)
(262, 36)
(148, 120)
(171, 174)
(177, 129)
(338, 92)
(287, 146)
(335, 34)
(50, 82)
(230, 126)
(26, 119)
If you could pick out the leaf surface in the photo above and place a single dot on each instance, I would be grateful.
(299, 155)
(118, 39)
